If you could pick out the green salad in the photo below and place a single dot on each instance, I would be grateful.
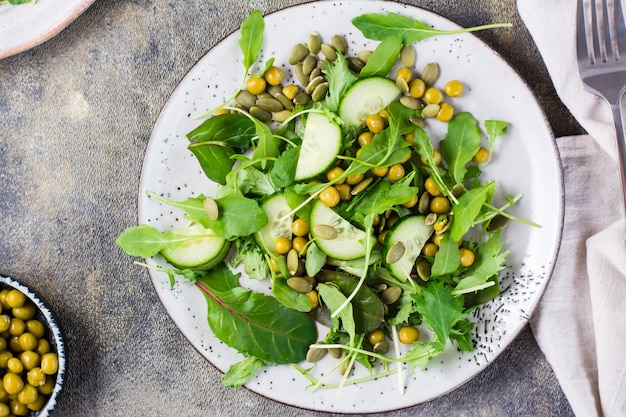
(331, 188)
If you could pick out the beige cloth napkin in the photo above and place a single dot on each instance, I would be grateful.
(580, 323)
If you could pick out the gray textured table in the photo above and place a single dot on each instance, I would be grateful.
(75, 117)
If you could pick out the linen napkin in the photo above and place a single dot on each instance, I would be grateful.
(580, 322)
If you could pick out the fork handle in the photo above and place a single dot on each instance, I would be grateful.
(621, 146)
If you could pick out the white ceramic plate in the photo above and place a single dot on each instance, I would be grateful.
(525, 161)
(27, 25)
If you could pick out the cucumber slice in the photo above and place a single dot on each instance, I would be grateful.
(203, 252)
(366, 96)
(350, 242)
(278, 225)
(413, 232)
(321, 143)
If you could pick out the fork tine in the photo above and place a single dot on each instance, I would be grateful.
(612, 27)
(601, 29)
(585, 22)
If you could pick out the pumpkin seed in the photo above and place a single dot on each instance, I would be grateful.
(339, 43)
(423, 269)
(293, 261)
(381, 347)
(210, 206)
(321, 64)
(355, 64)
(424, 202)
(430, 73)
(325, 231)
(281, 116)
(316, 73)
(498, 222)
(314, 83)
(361, 186)
(284, 100)
(299, 284)
(411, 102)
(261, 114)
(315, 354)
(245, 99)
(458, 190)
(319, 93)
(335, 352)
(270, 104)
(402, 85)
(431, 218)
(302, 99)
(302, 77)
(364, 55)
(395, 253)
(382, 287)
(272, 90)
(329, 52)
(430, 110)
(314, 42)
(391, 295)
(407, 56)
(343, 365)
(417, 121)
(298, 53)
(309, 63)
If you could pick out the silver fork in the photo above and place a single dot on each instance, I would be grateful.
(601, 49)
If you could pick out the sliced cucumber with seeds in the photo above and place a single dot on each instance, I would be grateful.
(203, 252)
(321, 143)
(278, 223)
(412, 232)
(365, 97)
(349, 242)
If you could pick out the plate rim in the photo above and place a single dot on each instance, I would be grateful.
(522, 323)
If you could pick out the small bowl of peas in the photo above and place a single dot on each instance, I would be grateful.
(32, 358)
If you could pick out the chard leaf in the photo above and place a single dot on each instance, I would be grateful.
(461, 143)
(383, 58)
(368, 310)
(379, 26)
(251, 39)
(241, 372)
(257, 324)
(215, 159)
(447, 259)
(234, 130)
(468, 208)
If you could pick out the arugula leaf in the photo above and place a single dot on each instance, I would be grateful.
(146, 241)
(334, 300)
(378, 27)
(468, 208)
(494, 129)
(241, 372)
(461, 143)
(447, 259)
(283, 172)
(383, 58)
(251, 39)
(368, 310)
(256, 323)
(233, 130)
(315, 259)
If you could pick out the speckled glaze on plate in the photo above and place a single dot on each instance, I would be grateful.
(54, 337)
(525, 161)
(27, 25)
